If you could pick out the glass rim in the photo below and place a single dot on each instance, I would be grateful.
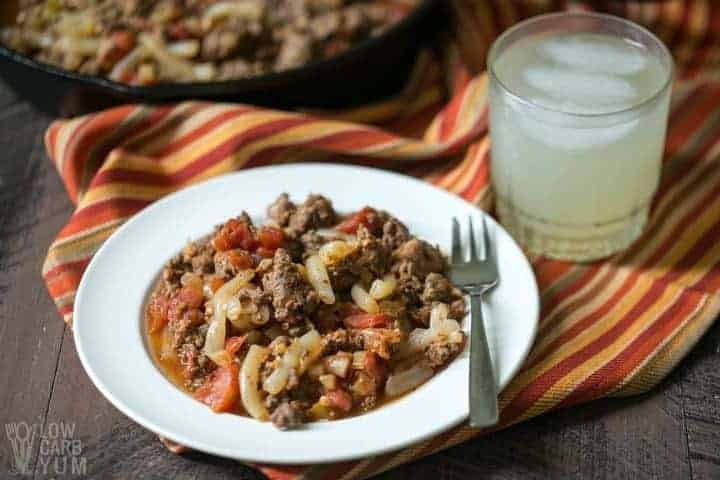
(602, 16)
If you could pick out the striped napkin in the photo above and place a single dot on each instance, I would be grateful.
(611, 328)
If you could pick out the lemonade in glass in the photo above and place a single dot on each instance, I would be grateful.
(578, 112)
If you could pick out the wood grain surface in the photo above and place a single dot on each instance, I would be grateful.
(670, 433)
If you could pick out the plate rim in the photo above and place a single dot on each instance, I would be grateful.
(150, 425)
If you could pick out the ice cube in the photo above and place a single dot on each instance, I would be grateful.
(573, 139)
(584, 92)
(590, 54)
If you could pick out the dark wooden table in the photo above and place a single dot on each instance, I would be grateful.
(673, 432)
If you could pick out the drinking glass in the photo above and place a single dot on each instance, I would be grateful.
(578, 112)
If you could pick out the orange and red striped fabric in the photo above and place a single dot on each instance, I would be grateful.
(607, 329)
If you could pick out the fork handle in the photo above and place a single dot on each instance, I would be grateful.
(483, 390)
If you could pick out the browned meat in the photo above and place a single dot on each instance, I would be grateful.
(200, 256)
(245, 218)
(223, 264)
(421, 315)
(410, 289)
(394, 233)
(182, 320)
(457, 309)
(437, 289)
(417, 258)
(311, 242)
(288, 415)
(316, 212)
(254, 298)
(440, 353)
(341, 340)
(292, 297)
(281, 210)
(370, 260)
(193, 363)
(174, 270)
(373, 258)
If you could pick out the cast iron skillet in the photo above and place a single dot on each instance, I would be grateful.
(366, 71)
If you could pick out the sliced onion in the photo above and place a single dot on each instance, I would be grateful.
(332, 233)
(166, 347)
(363, 299)
(438, 315)
(215, 337)
(383, 288)
(358, 360)
(251, 10)
(312, 343)
(449, 326)
(221, 358)
(78, 46)
(328, 381)
(419, 339)
(216, 334)
(277, 380)
(338, 364)
(178, 68)
(184, 48)
(456, 337)
(249, 379)
(334, 251)
(204, 72)
(406, 380)
(320, 280)
(301, 353)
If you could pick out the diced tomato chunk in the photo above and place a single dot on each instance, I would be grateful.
(376, 367)
(234, 344)
(339, 399)
(192, 296)
(351, 224)
(240, 259)
(221, 391)
(157, 313)
(215, 283)
(235, 234)
(271, 238)
(366, 320)
(265, 252)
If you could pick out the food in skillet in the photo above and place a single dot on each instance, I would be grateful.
(311, 316)
(143, 42)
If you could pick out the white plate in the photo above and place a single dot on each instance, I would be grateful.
(109, 305)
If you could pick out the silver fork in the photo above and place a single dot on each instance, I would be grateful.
(475, 277)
